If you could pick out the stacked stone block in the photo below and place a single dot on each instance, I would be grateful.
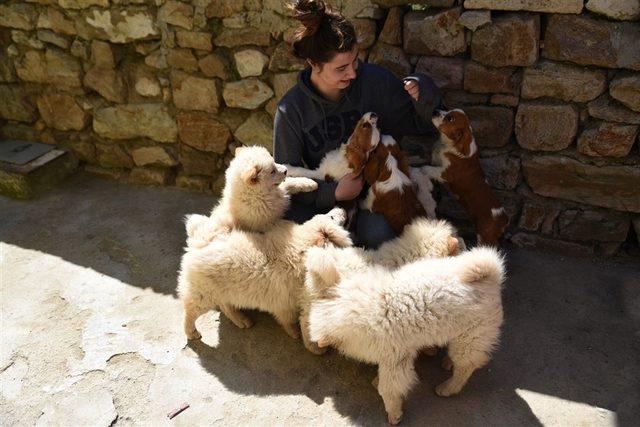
(161, 91)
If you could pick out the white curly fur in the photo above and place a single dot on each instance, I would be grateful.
(386, 317)
(251, 270)
(255, 196)
(423, 238)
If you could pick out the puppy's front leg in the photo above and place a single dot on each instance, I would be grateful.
(192, 310)
(306, 339)
(288, 320)
(296, 171)
(454, 384)
(294, 185)
(395, 380)
(237, 317)
(433, 172)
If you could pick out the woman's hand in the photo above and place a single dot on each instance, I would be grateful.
(411, 86)
(349, 187)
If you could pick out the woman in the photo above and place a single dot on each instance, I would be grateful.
(321, 111)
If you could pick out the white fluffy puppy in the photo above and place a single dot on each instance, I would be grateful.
(386, 317)
(255, 196)
(423, 238)
(251, 270)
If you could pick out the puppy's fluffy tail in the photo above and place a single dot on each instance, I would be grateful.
(334, 234)
(199, 232)
(192, 222)
(482, 266)
(321, 265)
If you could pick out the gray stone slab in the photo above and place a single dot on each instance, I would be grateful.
(21, 152)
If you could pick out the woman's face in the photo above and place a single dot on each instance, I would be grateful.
(340, 71)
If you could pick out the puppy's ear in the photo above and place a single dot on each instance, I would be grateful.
(359, 159)
(239, 150)
(371, 169)
(251, 175)
(457, 134)
(356, 157)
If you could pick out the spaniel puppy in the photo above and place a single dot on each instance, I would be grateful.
(349, 157)
(459, 168)
(392, 193)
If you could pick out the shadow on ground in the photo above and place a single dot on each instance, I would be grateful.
(131, 233)
(569, 333)
(571, 328)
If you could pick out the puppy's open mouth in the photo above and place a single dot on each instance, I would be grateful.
(438, 117)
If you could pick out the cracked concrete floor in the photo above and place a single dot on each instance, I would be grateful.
(91, 333)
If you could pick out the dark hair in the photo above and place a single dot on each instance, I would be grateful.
(323, 33)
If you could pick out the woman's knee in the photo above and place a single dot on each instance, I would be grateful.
(372, 230)
(299, 213)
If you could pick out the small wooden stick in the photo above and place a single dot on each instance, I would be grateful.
(175, 412)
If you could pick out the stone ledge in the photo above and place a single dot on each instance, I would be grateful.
(26, 181)
(527, 240)
(555, 6)
(615, 187)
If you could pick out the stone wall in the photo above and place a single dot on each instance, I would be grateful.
(161, 91)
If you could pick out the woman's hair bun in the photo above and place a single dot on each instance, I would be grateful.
(323, 32)
(310, 13)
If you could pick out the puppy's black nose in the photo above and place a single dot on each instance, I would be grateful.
(373, 116)
(436, 112)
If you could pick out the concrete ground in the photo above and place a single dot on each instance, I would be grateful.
(91, 333)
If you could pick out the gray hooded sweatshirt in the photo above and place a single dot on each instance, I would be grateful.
(307, 126)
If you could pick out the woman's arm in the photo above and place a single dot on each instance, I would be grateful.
(287, 149)
(405, 115)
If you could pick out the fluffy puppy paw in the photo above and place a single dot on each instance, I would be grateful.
(292, 330)
(447, 388)
(313, 348)
(293, 185)
(323, 342)
(394, 418)
(241, 320)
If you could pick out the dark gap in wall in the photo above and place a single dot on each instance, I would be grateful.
(631, 245)
(380, 23)
(544, 19)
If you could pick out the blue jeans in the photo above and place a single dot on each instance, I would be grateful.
(370, 230)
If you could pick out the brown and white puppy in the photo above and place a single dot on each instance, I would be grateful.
(391, 191)
(459, 168)
(349, 157)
